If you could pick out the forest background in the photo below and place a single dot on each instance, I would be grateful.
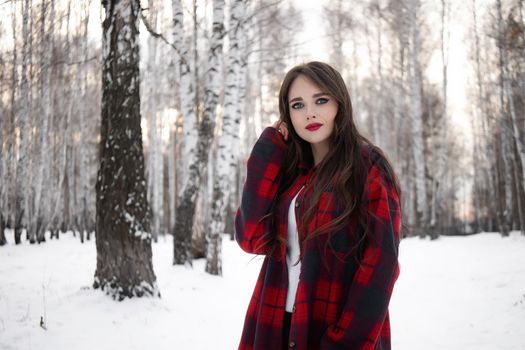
(129, 123)
(132, 120)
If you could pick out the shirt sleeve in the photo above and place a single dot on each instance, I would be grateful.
(366, 307)
(252, 225)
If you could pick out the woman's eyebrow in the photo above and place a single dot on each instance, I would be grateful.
(314, 96)
(296, 99)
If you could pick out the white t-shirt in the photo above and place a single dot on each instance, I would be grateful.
(292, 256)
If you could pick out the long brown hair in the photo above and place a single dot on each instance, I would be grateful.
(343, 170)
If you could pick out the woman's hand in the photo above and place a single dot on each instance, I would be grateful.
(282, 128)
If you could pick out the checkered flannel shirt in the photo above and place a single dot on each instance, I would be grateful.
(341, 303)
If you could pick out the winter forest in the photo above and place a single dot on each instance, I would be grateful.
(126, 124)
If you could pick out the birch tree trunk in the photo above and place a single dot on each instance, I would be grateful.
(500, 187)
(227, 142)
(76, 155)
(488, 141)
(416, 112)
(10, 189)
(124, 267)
(3, 177)
(154, 160)
(373, 102)
(514, 122)
(84, 213)
(172, 180)
(505, 173)
(40, 220)
(195, 57)
(187, 91)
(399, 22)
(517, 172)
(186, 205)
(3, 240)
(379, 127)
(60, 209)
(508, 165)
(339, 22)
(440, 172)
(22, 177)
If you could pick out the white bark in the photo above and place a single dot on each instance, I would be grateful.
(508, 152)
(58, 197)
(338, 20)
(440, 172)
(380, 90)
(515, 129)
(187, 91)
(508, 93)
(228, 140)
(22, 176)
(486, 153)
(151, 110)
(515, 139)
(416, 111)
(186, 207)
(242, 92)
(43, 161)
(172, 194)
(11, 142)
(506, 135)
(84, 212)
(3, 178)
(69, 205)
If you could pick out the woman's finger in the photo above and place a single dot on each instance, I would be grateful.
(284, 129)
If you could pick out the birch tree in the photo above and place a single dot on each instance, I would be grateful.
(505, 173)
(3, 159)
(186, 205)
(85, 212)
(506, 41)
(440, 172)
(9, 186)
(228, 141)
(187, 91)
(2, 152)
(39, 219)
(124, 266)
(415, 79)
(151, 108)
(22, 165)
(339, 22)
(484, 142)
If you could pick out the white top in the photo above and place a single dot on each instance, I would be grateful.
(293, 253)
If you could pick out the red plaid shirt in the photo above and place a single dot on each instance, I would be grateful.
(340, 304)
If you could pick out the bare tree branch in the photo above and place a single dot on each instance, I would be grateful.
(160, 35)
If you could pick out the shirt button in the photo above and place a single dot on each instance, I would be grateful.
(297, 204)
(292, 344)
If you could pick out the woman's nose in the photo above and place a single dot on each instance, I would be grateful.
(310, 114)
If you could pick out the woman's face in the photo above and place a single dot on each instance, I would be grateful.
(312, 112)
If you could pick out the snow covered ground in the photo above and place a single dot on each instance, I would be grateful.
(456, 293)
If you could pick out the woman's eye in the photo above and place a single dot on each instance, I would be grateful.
(322, 101)
(297, 105)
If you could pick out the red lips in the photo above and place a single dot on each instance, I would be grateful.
(313, 126)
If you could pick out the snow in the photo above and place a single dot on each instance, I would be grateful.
(453, 293)
(461, 293)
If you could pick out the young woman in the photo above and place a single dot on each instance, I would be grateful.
(321, 202)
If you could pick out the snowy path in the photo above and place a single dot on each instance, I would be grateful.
(457, 293)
